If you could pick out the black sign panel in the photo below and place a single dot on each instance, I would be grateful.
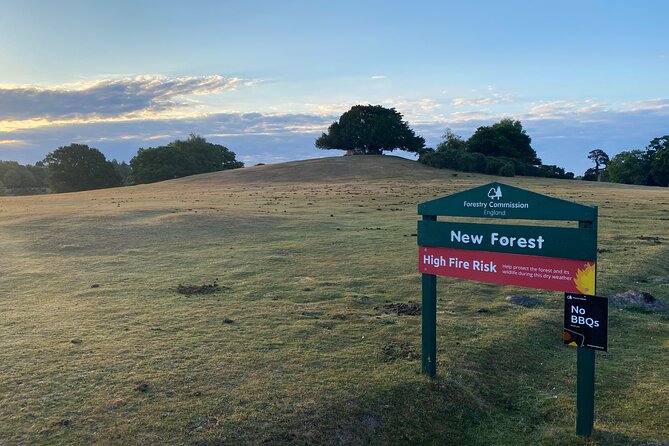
(586, 321)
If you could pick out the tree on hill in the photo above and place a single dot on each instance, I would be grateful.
(630, 167)
(78, 167)
(591, 175)
(123, 169)
(13, 178)
(658, 152)
(504, 139)
(370, 130)
(179, 159)
(22, 178)
(600, 158)
(451, 142)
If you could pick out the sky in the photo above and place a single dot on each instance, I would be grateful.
(266, 78)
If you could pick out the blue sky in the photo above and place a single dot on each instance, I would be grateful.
(265, 78)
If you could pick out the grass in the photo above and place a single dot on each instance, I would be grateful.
(97, 346)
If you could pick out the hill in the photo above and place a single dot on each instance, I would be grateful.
(296, 337)
(323, 170)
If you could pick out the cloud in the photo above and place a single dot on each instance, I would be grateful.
(126, 98)
(496, 98)
(249, 134)
(583, 110)
(118, 116)
(377, 77)
(653, 104)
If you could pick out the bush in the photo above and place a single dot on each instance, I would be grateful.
(493, 165)
(78, 167)
(181, 158)
(506, 170)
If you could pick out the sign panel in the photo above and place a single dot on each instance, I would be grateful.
(497, 200)
(586, 321)
(546, 273)
(546, 241)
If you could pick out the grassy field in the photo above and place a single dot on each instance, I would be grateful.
(97, 346)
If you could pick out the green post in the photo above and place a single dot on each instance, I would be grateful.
(429, 327)
(585, 375)
(585, 390)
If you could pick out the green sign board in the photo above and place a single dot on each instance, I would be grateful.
(497, 200)
(546, 241)
(539, 256)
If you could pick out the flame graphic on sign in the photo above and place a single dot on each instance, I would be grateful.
(585, 279)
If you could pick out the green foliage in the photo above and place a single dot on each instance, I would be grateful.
(22, 178)
(630, 167)
(181, 158)
(600, 158)
(658, 150)
(13, 178)
(506, 170)
(506, 139)
(646, 167)
(451, 142)
(2, 188)
(371, 129)
(469, 162)
(78, 167)
(590, 175)
(124, 170)
(551, 171)
(454, 153)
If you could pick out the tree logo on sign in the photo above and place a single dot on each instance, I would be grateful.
(495, 193)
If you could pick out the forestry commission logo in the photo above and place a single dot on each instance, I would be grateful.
(495, 193)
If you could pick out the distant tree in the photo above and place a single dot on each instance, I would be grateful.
(658, 153)
(179, 159)
(371, 130)
(600, 158)
(504, 139)
(38, 174)
(451, 142)
(78, 167)
(591, 175)
(630, 167)
(552, 171)
(2, 188)
(22, 178)
(13, 179)
(123, 169)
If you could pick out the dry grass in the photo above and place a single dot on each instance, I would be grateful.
(96, 345)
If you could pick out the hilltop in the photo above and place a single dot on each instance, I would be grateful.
(324, 170)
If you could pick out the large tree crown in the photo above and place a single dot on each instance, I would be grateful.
(370, 129)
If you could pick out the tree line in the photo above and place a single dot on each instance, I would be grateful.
(502, 149)
(78, 167)
(648, 166)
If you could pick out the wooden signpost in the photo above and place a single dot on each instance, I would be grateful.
(543, 257)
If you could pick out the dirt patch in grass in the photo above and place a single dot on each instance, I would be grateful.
(525, 301)
(409, 308)
(206, 288)
(638, 299)
(399, 350)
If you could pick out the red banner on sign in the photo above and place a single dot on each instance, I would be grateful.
(546, 273)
